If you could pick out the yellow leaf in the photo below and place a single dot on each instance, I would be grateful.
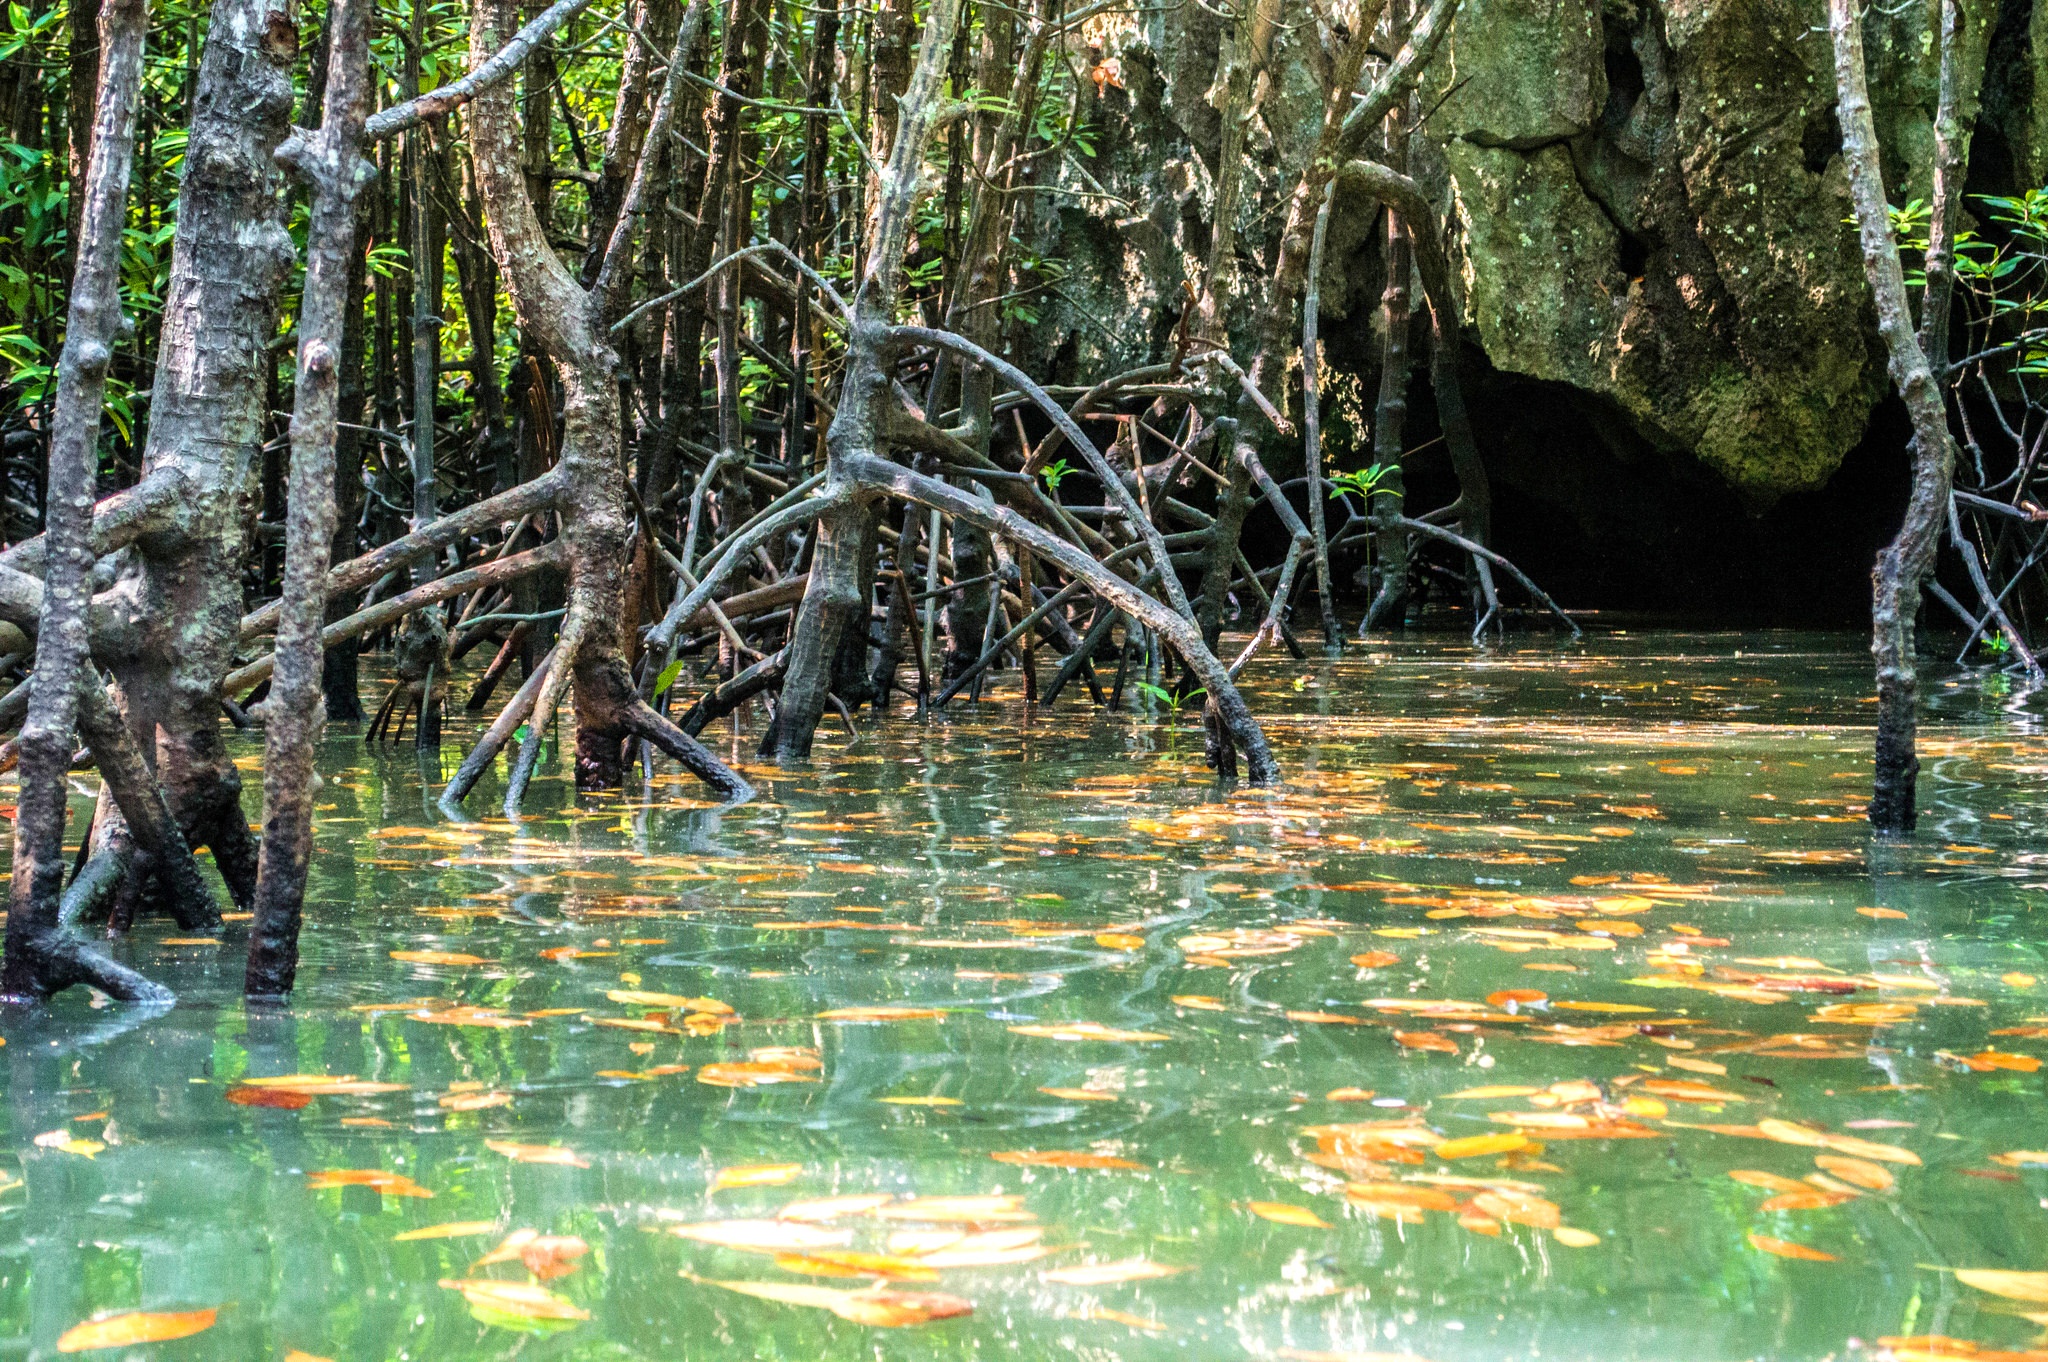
(1086, 1031)
(1475, 1146)
(880, 1014)
(438, 958)
(1109, 1274)
(2017, 1286)
(521, 1300)
(454, 1229)
(134, 1326)
(885, 1309)
(1571, 1238)
(536, 1153)
(1280, 1213)
(757, 1175)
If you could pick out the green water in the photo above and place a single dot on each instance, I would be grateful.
(1703, 789)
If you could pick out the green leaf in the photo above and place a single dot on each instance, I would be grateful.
(668, 676)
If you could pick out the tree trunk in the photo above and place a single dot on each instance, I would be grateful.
(1903, 564)
(330, 162)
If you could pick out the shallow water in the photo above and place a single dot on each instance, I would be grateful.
(1610, 825)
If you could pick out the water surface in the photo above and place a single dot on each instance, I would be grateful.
(1625, 884)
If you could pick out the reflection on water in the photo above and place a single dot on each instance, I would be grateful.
(1447, 1050)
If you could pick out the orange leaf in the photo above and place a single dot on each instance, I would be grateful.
(1789, 1250)
(134, 1326)
(438, 958)
(282, 1099)
(1062, 1158)
(1281, 1213)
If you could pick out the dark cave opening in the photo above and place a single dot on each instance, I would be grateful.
(1606, 522)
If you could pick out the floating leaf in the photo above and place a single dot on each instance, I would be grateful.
(954, 1210)
(752, 1074)
(390, 1184)
(880, 1014)
(756, 1175)
(833, 1207)
(2018, 1286)
(281, 1099)
(134, 1326)
(763, 1236)
(846, 1263)
(536, 1153)
(453, 1229)
(884, 1309)
(1475, 1146)
(1858, 1172)
(634, 998)
(487, 1017)
(473, 1101)
(64, 1141)
(1807, 1199)
(1281, 1213)
(515, 1305)
(1063, 1158)
(1109, 1274)
(1784, 1249)
(1086, 1031)
(1375, 959)
(438, 958)
(546, 1256)
(1571, 1238)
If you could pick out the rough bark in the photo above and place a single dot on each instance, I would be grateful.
(561, 319)
(329, 161)
(1903, 564)
(41, 956)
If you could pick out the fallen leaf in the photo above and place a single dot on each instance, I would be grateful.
(880, 1014)
(764, 1236)
(1857, 1172)
(1281, 1213)
(1475, 1146)
(1063, 1158)
(1572, 1238)
(1789, 1250)
(1375, 959)
(955, 1210)
(2018, 1286)
(453, 1229)
(756, 1175)
(1086, 1031)
(885, 1309)
(281, 1099)
(546, 1256)
(536, 1153)
(846, 1263)
(473, 1101)
(633, 998)
(1079, 1094)
(134, 1326)
(510, 1304)
(62, 1140)
(1109, 1274)
(438, 958)
(390, 1184)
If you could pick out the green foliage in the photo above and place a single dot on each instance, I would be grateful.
(1174, 703)
(1054, 473)
(1364, 481)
